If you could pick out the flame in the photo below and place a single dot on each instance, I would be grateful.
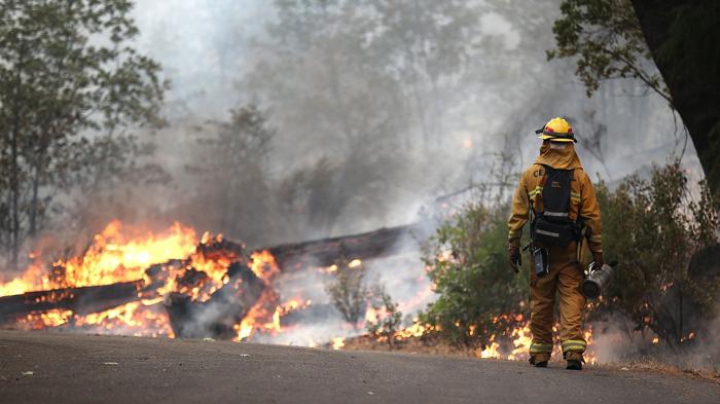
(113, 257)
(338, 343)
(491, 352)
(264, 266)
(265, 314)
(123, 254)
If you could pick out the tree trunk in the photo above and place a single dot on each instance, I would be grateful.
(375, 244)
(35, 202)
(15, 167)
(695, 92)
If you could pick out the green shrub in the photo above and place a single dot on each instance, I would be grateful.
(654, 228)
(388, 318)
(466, 261)
(348, 291)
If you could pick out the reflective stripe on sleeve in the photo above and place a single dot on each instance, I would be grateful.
(538, 190)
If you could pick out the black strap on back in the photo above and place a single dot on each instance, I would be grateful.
(556, 194)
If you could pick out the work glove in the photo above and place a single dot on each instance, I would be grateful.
(598, 260)
(514, 258)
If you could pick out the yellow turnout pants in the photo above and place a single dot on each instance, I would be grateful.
(563, 280)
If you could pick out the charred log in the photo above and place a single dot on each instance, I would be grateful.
(316, 313)
(83, 300)
(375, 244)
(216, 317)
(86, 300)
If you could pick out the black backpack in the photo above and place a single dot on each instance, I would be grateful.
(553, 226)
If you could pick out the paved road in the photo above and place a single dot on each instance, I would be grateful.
(92, 369)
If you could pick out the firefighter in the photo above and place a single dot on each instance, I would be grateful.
(556, 196)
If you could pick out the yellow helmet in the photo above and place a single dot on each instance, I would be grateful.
(557, 130)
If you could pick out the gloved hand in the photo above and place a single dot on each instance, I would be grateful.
(598, 260)
(514, 258)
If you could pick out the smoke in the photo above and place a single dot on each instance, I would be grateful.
(614, 340)
(374, 136)
(708, 351)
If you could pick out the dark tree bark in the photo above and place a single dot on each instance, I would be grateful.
(695, 91)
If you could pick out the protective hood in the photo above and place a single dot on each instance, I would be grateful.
(560, 156)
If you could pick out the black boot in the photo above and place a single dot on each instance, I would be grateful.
(574, 360)
(540, 360)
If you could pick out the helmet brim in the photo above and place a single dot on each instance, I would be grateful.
(557, 139)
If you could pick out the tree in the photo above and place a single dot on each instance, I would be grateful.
(605, 35)
(68, 75)
(348, 290)
(684, 40)
(233, 192)
(619, 38)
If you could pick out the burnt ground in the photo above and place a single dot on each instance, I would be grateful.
(93, 369)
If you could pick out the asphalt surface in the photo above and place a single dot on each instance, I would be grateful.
(94, 369)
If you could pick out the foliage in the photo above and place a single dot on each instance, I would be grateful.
(466, 262)
(606, 39)
(348, 291)
(388, 318)
(232, 176)
(654, 228)
(71, 86)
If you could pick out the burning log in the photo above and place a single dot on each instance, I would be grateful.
(217, 316)
(82, 301)
(89, 299)
(325, 252)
